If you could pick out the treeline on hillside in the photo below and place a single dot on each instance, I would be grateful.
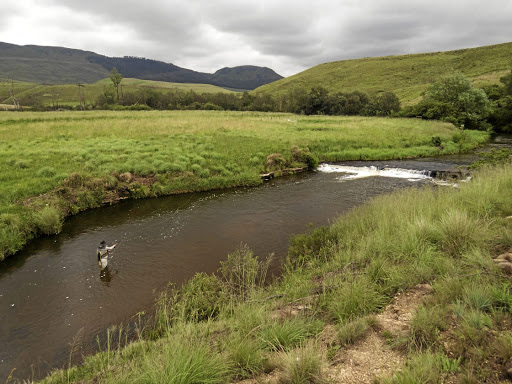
(452, 98)
(317, 101)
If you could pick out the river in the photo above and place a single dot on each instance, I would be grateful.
(53, 292)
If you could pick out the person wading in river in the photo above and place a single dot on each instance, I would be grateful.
(102, 252)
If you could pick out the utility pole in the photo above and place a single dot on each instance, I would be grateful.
(81, 95)
(11, 94)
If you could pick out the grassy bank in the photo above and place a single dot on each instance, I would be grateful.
(57, 164)
(229, 327)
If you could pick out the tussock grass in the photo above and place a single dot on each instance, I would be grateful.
(289, 333)
(351, 331)
(427, 368)
(302, 365)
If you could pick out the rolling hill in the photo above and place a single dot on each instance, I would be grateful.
(408, 76)
(58, 65)
(67, 94)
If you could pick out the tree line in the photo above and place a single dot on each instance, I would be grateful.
(453, 98)
(317, 100)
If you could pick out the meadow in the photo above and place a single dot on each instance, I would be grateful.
(231, 326)
(57, 164)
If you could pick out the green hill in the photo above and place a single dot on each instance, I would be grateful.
(407, 75)
(29, 94)
(58, 65)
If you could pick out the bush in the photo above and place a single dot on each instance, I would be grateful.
(307, 247)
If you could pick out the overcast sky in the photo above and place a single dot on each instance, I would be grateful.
(285, 35)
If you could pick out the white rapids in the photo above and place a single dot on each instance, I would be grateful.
(362, 172)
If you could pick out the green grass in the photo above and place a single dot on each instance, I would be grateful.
(461, 333)
(67, 94)
(59, 163)
(407, 75)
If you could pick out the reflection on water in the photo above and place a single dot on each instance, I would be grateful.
(107, 274)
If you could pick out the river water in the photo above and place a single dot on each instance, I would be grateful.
(53, 292)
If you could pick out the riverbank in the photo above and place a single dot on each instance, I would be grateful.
(57, 164)
(438, 249)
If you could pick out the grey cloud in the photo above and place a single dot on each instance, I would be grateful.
(286, 35)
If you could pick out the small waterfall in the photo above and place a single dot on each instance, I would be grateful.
(352, 172)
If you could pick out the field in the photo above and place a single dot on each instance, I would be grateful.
(67, 94)
(405, 289)
(408, 76)
(56, 164)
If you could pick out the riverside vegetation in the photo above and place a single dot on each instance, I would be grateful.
(230, 326)
(57, 164)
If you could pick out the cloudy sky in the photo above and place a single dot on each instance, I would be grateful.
(285, 35)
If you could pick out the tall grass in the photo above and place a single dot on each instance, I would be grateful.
(42, 155)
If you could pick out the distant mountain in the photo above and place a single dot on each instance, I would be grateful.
(58, 65)
(408, 76)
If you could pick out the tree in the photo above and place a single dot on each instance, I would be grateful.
(116, 79)
(507, 82)
(386, 103)
(468, 106)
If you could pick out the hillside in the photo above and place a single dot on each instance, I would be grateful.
(407, 75)
(58, 65)
(29, 94)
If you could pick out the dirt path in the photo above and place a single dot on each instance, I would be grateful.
(372, 357)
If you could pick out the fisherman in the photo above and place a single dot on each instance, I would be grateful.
(102, 252)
